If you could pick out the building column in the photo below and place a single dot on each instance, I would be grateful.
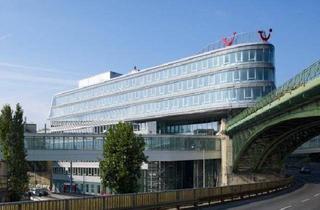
(226, 154)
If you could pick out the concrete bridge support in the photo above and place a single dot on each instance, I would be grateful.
(226, 160)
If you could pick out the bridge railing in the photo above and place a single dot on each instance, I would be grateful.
(308, 74)
(153, 200)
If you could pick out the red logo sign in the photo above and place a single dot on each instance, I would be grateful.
(229, 42)
(263, 36)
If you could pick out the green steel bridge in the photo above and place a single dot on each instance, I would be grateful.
(265, 134)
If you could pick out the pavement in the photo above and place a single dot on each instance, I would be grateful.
(304, 195)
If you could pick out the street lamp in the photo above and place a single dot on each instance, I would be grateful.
(203, 169)
(193, 146)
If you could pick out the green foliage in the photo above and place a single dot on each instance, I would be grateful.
(123, 156)
(12, 148)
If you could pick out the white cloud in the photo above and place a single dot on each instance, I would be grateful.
(23, 77)
(32, 87)
(37, 69)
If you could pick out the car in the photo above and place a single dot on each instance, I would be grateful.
(305, 170)
(39, 192)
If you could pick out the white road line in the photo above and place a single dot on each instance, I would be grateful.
(286, 207)
(316, 195)
(305, 200)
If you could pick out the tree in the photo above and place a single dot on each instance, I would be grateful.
(14, 154)
(122, 159)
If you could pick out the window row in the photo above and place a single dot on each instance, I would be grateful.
(76, 171)
(181, 144)
(64, 143)
(254, 55)
(232, 76)
(178, 104)
(205, 129)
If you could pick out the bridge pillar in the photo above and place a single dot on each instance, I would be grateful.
(226, 154)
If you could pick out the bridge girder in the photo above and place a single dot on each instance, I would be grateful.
(263, 146)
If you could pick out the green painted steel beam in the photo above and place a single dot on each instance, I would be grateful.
(301, 79)
(313, 85)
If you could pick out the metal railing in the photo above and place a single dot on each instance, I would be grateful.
(153, 200)
(241, 38)
(308, 74)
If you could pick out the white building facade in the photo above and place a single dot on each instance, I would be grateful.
(176, 106)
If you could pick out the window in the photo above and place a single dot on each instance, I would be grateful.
(247, 93)
(229, 76)
(218, 96)
(252, 55)
(239, 57)
(210, 63)
(243, 75)
(266, 74)
(245, 56)
(204, 64)
(98, 188)
(226, 59)
(200, 81)
(236, 75)
(190, 85)
(233, 94)
(259, 73)
(217, 78)
(257, 92)
(195, 100)
(232, 58)
(252, 74)
(266, 55)
(220, 60)
(194, 67)
(215, 61)
(223, 77)
(207, 98)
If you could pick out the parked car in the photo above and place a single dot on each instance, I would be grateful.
(305, 170)
(39, 192)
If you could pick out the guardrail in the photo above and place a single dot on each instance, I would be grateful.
(154, 200)
(308, 74)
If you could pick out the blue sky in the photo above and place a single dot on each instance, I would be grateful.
(46, 46)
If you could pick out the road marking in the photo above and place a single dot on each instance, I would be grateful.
(286, 207)
(305, 200)
(316, 195)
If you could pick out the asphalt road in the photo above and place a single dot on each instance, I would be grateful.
(305, 195)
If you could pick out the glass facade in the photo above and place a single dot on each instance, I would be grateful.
(202, 129)
(207, 80)
(95, 143)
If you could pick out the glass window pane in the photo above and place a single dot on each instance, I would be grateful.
(252, 74)
(245, 56)
(243, 75)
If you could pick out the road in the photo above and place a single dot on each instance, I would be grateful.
(305, 195)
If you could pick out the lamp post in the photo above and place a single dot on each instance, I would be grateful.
(203, 169)
(193, 146)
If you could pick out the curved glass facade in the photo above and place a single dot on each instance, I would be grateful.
(235, 76)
